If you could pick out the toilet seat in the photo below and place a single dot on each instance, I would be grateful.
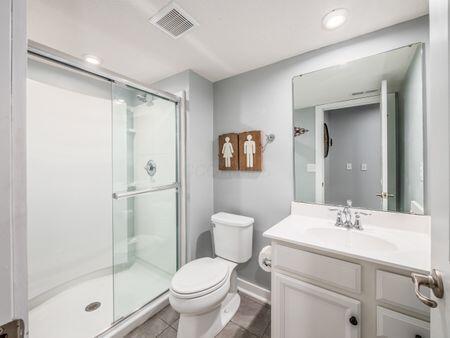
(199, 277)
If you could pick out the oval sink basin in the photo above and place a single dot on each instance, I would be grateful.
(354, 239)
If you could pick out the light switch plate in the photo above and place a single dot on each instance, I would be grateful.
(349, 166)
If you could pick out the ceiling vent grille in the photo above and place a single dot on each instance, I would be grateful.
(173, 20)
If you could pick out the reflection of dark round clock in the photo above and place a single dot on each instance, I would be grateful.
(327, 141)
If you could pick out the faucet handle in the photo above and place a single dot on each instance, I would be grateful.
(338, 211)
(349, 203)
(357, 225)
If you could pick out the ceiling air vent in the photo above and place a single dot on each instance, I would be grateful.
(173, 20)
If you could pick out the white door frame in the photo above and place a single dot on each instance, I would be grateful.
(438, 158)
(319, 151)
(13, 248)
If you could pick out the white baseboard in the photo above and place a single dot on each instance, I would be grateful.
(254, 291)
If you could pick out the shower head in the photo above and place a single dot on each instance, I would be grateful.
(145, 98)
(142, 97)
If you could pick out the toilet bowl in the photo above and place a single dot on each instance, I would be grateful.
(204, 291)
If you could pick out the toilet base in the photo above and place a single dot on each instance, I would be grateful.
(209, 324)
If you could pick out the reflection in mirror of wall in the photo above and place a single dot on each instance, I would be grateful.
(359, 132)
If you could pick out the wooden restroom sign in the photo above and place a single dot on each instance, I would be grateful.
(229, 152)
(250, 152)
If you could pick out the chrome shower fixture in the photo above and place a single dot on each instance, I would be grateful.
(145, 98)
(142, 97)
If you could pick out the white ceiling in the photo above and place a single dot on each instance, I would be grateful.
(234, 36)
(338, 83)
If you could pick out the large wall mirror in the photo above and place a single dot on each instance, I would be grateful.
(359, 132)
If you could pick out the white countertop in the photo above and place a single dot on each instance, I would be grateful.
(392, 246)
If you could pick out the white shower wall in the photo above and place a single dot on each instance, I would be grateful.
(155, 221)
(69, 185)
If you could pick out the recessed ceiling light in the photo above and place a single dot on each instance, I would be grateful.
(335, 18)
(92, 59)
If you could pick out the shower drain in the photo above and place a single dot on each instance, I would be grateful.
(92, 306)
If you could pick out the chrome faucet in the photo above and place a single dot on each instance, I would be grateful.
(345, 218)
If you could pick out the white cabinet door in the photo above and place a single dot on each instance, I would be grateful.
(304, 310)
(391, 324)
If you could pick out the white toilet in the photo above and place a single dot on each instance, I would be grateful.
(204, 291)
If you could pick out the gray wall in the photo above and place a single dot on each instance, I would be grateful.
(356, 134)
(304, 154)
(411, 134)
(199, 143)
(262, 99)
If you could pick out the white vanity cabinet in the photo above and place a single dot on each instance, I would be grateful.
(317, 294)
(304, 310)
(394, 324)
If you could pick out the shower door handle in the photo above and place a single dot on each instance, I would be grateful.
(125, 194)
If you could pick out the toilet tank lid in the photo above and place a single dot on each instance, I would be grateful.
(232, 219)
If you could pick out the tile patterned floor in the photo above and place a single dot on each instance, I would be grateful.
(252, 320)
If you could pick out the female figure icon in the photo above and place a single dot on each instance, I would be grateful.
(227, 152)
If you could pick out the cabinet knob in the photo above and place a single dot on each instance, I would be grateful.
(354, 321)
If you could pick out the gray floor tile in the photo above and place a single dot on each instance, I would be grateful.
(150, 329)
(175, 324)
(267, 332)
(168, 333)
(169, 315)
(251, 321)
(252, 316)
(232, 330)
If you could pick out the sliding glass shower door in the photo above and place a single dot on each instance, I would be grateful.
(145, 197)
(102, 198)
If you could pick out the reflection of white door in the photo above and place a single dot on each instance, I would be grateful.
(319, 155)
(384, 145)
(388, 184)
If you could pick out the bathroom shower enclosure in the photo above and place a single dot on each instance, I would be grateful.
(105, 202)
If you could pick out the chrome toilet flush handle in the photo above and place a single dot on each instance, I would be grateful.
(432, 281)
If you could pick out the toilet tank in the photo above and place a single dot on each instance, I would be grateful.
(233, 236)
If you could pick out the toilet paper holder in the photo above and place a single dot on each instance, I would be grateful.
(267, 262)
(265, 258)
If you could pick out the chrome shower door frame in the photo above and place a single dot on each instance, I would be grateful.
(50, 54)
